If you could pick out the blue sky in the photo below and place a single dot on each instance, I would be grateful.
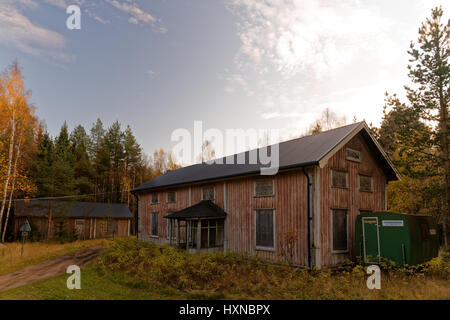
(159, 65)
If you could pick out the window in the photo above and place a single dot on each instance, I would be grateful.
(339, 179)
(264, 188)
(353, 155)
(208, 193)
(112, 226)
(339, 218)
(365, 183)
(154, 224)
(155, 197)
(171, 197)
(212, 233)
(265, 229)
(171, 229)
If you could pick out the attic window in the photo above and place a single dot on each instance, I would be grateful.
(264, 188)
(353, 155)
(339, 179)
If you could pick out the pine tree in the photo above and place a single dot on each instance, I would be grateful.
(430, 72)
(84, 171)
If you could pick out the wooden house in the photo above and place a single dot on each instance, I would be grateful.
(89, 220)
(305, 213)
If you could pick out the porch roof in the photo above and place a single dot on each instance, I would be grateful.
(203, 209)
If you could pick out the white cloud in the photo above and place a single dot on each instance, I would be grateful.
(299, 57)
(17, 31)
(137, 15)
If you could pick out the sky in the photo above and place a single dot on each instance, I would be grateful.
(160, 65)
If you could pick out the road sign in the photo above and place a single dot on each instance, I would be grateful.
(25, 227)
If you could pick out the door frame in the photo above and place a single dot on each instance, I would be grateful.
(364, 239)
(82, 234)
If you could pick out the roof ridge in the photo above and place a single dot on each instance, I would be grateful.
(298, 138)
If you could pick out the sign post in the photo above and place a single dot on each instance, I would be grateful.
(24, 229)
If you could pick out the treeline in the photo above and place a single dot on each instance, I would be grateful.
(103, 164)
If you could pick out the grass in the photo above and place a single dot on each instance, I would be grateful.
(93, 287)
(37, 252)
(129, 269)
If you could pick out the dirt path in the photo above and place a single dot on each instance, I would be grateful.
(47, 269)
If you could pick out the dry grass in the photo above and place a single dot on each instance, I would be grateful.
(236, 276)
(37, 252)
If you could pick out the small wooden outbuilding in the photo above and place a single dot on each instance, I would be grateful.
(88, 220)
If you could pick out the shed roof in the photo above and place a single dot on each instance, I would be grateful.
(300, 152)
(75, 209)
(203, 209)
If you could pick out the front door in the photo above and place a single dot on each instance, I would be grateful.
(371, 238)
(79, 228)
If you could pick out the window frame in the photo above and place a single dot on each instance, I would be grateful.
(346, 178)
(151, 225)
(167, 197)
(359, 182)
(157, 198)
(347, 250)
(214, 192)
(262, 180)
(263, 248)
(350, 158)
(175, 229)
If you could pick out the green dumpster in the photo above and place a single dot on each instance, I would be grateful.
(404, 239)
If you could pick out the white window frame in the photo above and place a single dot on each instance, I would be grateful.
(261, 196)
(214, 192)
(167, 197)
(157, 225)
(351, 158)
(332, 228)
(157, 198)
(261, 248)
(359, 182)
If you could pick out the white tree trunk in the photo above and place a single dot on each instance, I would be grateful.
(8, 174)
(12, 184)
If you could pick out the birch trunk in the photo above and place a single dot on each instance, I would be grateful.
(8, 174)
(13, 184)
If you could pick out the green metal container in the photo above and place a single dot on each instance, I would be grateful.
(404, 239)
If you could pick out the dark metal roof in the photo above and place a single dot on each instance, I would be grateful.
(203, 209)
(300, 152)
(74, 209)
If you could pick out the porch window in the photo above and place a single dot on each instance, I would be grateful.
(265, 229)
(171, 232)
(208, 193)
(212, 233)
(154, 224)
(340, 229)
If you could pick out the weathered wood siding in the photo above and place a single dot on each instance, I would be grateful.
(162, 208)
(351, 198)
(289, 203)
